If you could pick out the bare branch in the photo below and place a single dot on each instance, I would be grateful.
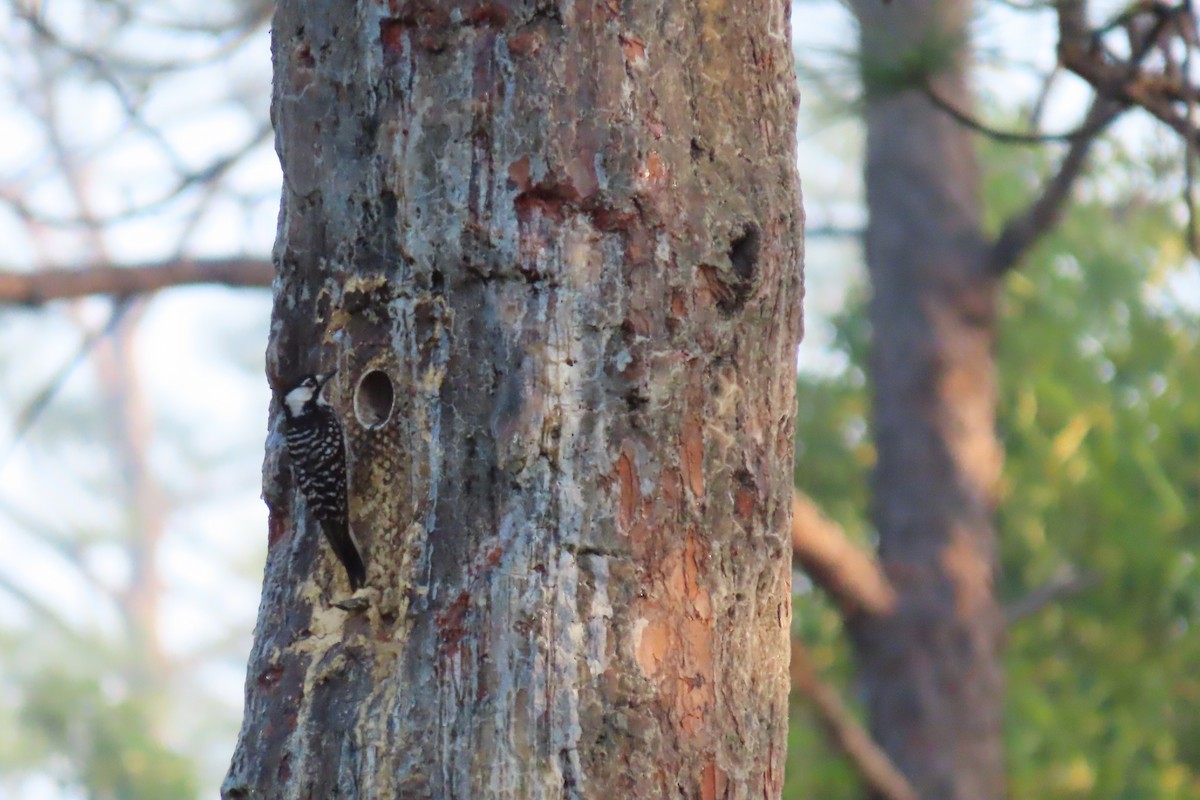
(1189, 146)
(1063, 585)
(1024, 229)
(1114, 84)
(1039, 104)
(210, 174)
(41, 401)
(38, 606)
(233, 35)
(876, 769)
(849, 574)
(1081, 50)
(1084, 131)
(833, 232)
(38, 288)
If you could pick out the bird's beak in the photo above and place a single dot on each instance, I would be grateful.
(324, 379)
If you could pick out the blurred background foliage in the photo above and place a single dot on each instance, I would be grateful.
(1100, 421)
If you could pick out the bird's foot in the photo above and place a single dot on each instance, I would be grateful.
(358, 601)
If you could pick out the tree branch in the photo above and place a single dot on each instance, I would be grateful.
(38, 607)
(876, 769)
(834, 232)
(1061, 586)
(850, 575)
(1003, 137)
(1024, 229)
(34, 409)
(44, 286)
(1081, 50)
(1113, 82)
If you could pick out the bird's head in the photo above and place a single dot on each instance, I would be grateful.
(306, 395)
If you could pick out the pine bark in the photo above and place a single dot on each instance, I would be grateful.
(931, 668)
(554, 252)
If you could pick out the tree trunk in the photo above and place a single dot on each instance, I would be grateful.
(554, 251)
(931, 669)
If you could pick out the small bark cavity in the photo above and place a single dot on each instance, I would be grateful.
(374, 398)
(730, 287)
(743, 253)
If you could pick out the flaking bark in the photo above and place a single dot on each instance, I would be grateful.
(568, 235)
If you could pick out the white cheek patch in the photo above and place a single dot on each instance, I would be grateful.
(297, 398)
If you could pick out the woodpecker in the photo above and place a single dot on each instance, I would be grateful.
(318, 454)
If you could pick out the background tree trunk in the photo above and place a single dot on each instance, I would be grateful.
(554, 250)
(931, 668)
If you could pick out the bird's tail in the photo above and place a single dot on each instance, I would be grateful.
(346, 550)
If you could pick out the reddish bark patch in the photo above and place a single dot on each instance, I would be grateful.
(670, 490)
(654, 174)
(638, 246)
(278, 528)
(285, 768)
(708, 782)
(428, 21)
(546, 198)
(269, 677)
(679, 312)
(653, 646)
(675, 643)
(540, 209)
(639, 322)
(692, 456)
(451, 623)
(971, 573)
(634, 48)
(774, 783)
(744, 501)
(582, 172)
(716, 289)
(611, 219)
(639, 538)
(304, 56)
(420, 13)
(392, 31)
(690, 567)
(629, 492)
(518, 174)
(486, 86)
(525, 43)
(489, 15)
(277, 729)
(696, 696)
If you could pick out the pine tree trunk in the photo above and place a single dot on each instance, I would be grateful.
(932, 670)
(554, 251)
